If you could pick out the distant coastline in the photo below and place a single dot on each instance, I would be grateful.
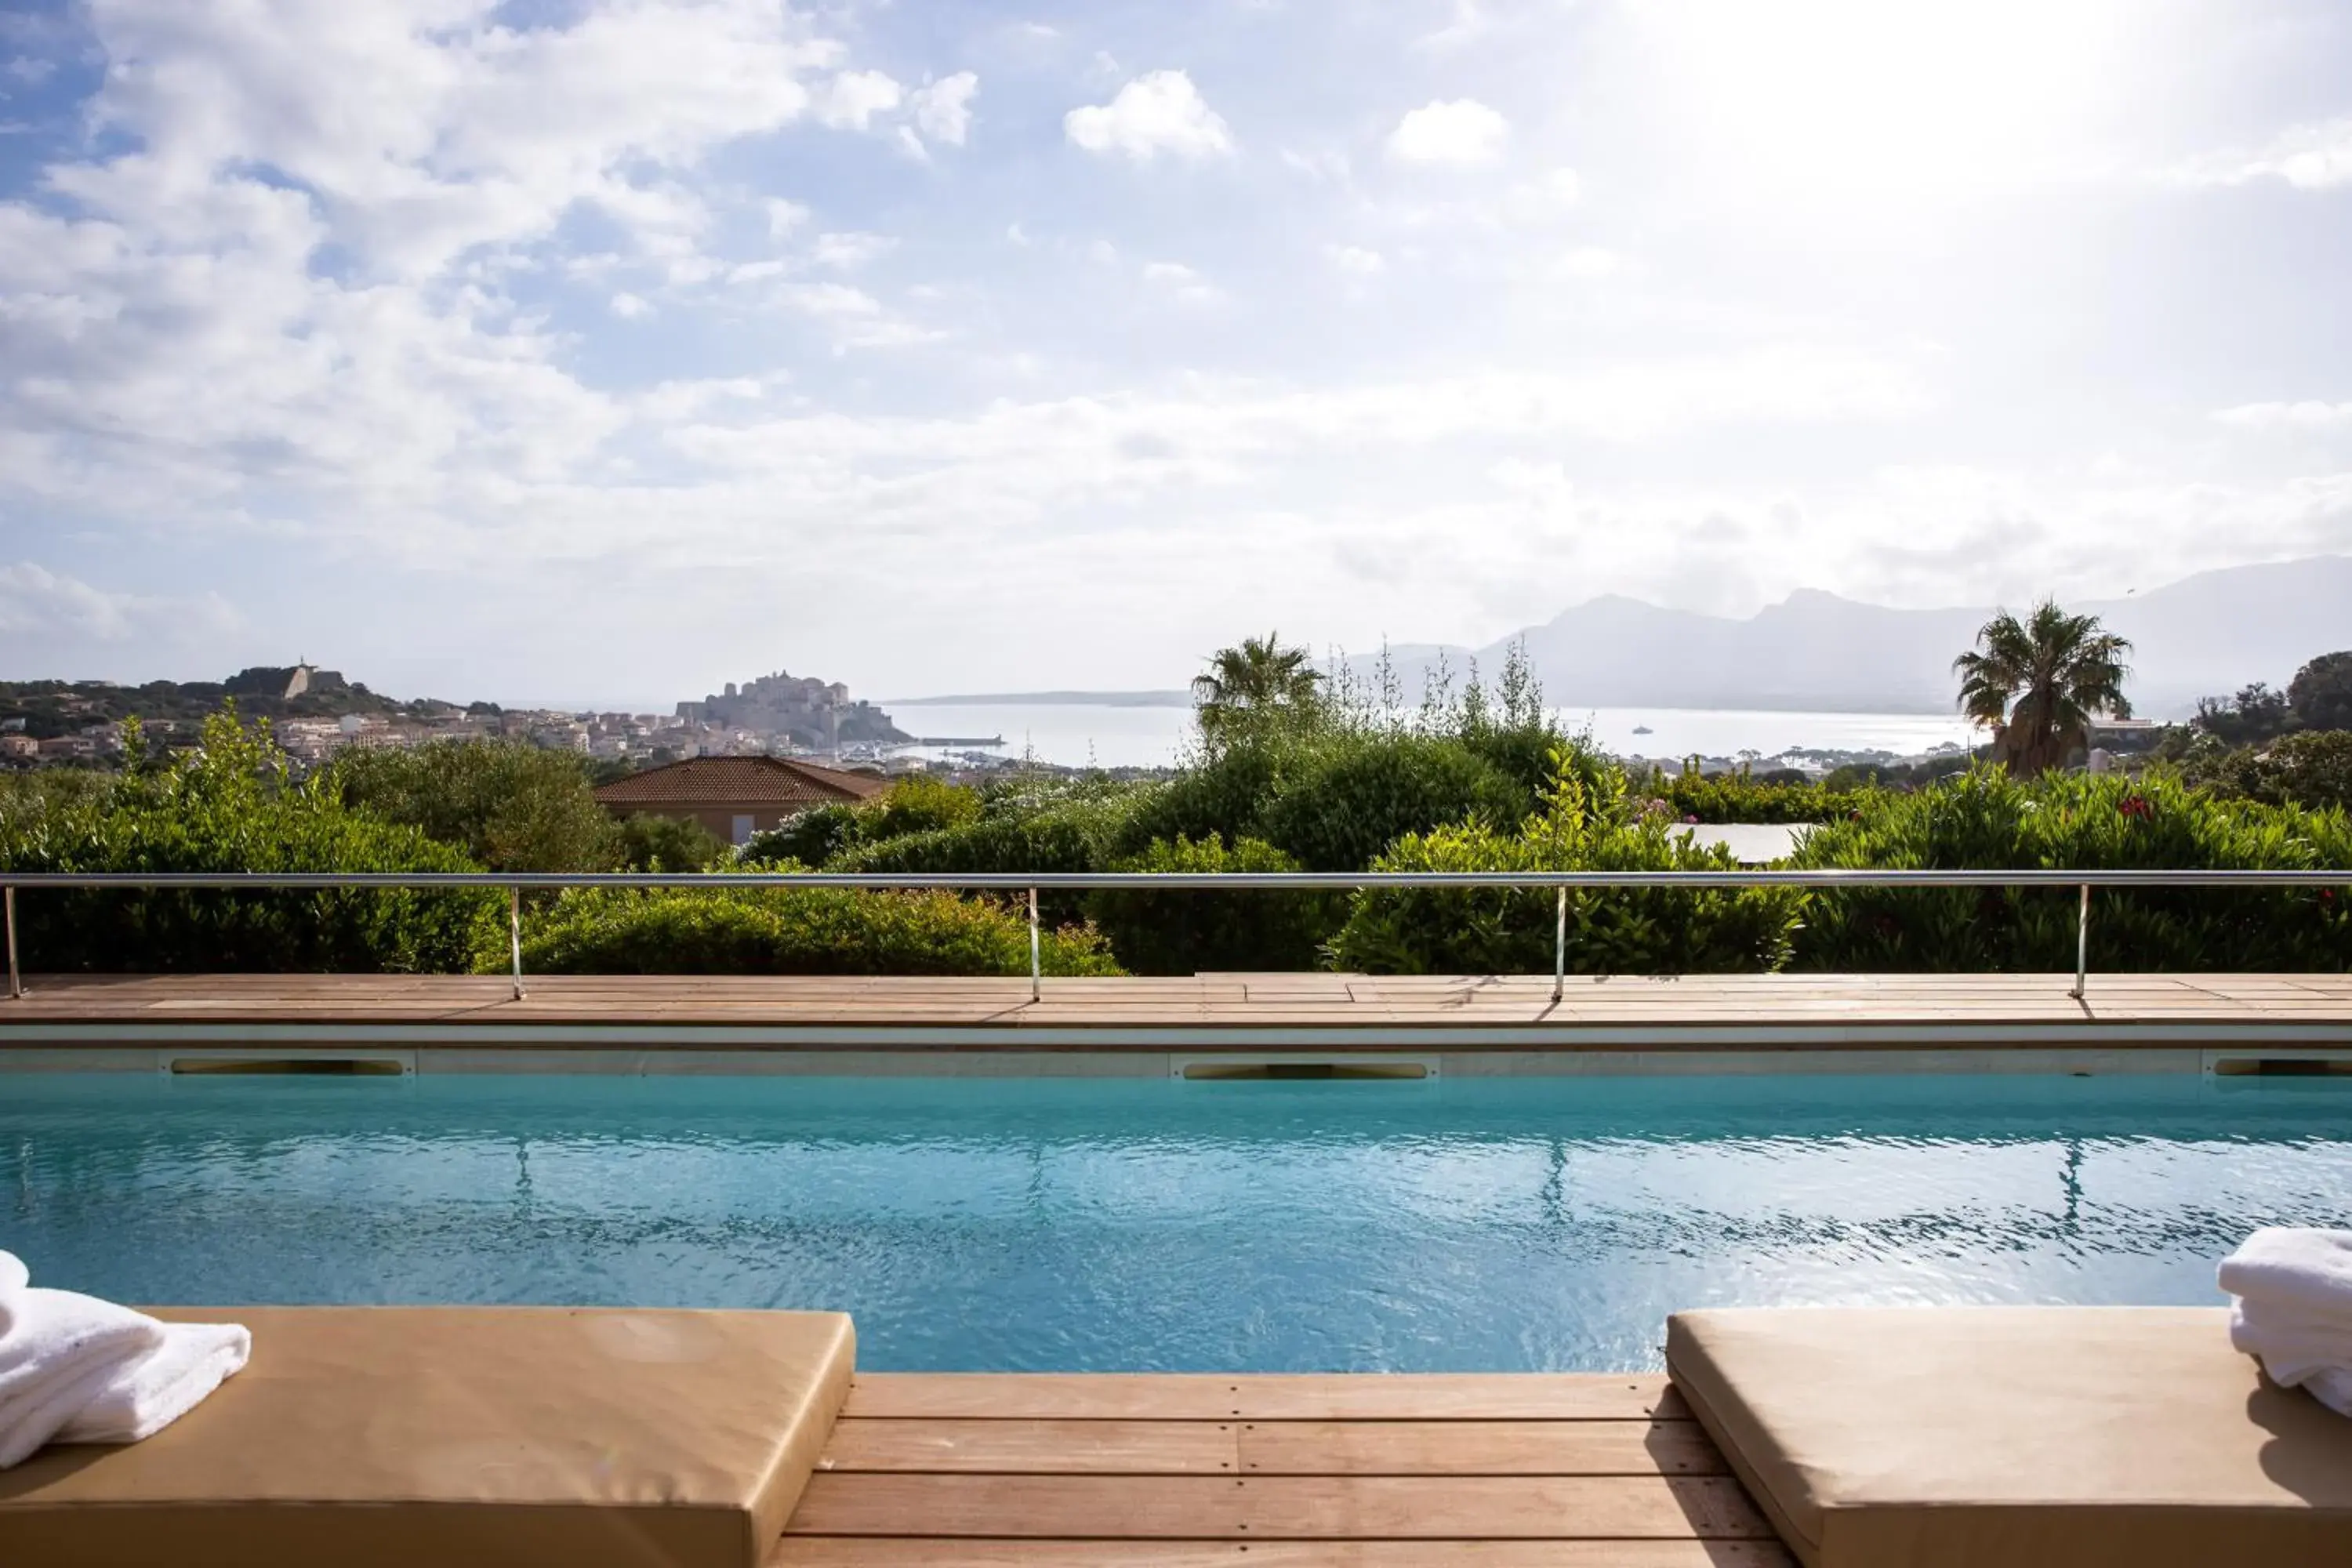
(1730, 704)
(1050, 699)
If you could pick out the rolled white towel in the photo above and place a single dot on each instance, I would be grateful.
(2308, 1270)
(13, 1280)
(60, 1342)
(141, 1398)
(2291, 1345)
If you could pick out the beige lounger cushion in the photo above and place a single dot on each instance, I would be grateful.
(2015, 1437)
(441, 1438)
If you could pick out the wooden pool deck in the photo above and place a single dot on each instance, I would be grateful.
(1211, 1012)
(989, 1470)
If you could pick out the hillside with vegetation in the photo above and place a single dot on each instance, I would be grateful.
(51, 708)
(1291, 772)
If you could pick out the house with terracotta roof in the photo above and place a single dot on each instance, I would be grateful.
(737, 796)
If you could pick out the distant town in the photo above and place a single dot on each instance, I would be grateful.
(317, 713)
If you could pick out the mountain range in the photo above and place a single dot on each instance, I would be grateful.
(2203, 636)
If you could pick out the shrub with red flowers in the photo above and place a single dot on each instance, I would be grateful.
(1990, 820)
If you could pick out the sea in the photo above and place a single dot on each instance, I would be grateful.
(1077, 734)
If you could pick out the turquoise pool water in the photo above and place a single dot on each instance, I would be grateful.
(1455, 1225)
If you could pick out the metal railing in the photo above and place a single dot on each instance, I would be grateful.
(517, 883)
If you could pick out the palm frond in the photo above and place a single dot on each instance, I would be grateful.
(2040, 683)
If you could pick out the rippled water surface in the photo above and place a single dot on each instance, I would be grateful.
(1456, 1225)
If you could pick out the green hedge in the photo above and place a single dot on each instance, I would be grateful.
(1531, 754)
(1505, 930)
(1333, 799)
(1047, 841)
(1340, 805)
(1986, 820)
(1219, 797)
(230, 806)
(509, 805)
(916, 803)
(2311, 768)
(653, 843)
(810, 838)
(1730, 798)
(1179, 932)
(786, 930)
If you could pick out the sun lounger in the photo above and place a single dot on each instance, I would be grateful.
(2017, 1437)
(437, 1438)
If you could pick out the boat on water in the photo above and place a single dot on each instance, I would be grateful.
(1642, 730)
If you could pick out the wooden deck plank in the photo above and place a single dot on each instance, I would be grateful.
(1065, 1447)
(1298, 1508)
(1034, 1447)
(1199, 1396)
(1477, 1448)
(1118, 1475)
(1396, 1006)
(852, 1551)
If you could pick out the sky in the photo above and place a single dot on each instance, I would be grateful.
(605, 351)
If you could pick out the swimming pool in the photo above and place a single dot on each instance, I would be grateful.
(1454, 1224)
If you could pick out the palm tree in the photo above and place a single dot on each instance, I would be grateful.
(2037, 683)
(1259, 679)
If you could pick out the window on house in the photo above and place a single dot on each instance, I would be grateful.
(742, 830)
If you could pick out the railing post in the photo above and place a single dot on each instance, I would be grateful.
(1037, 980)
(514, 935)
(1559, 946)
(15, 980)
(2081, 944)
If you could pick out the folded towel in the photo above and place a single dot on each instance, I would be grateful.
(2293, 1345)
(59, 1342)
(12, 1279)
(79, 1370)
(2307, 1271)
(59, 1335)
(142, 1397)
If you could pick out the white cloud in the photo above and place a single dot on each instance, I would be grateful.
(2309, 157)
(2305, 415)
(844, 251)
(784, 216)
(943, 108)
(834, 300)
(1468, 24)
(856, 318)
(1586, 261)
(1158, 112)
(1215, 430)
(464, 134)
(1181, 282)
(178, 353)
(851, 100)
(1537, 201)
(1463, 131)
(345, 276)
(34, 600)
(1323, 164)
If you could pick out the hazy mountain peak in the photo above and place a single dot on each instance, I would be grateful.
(2206, 634)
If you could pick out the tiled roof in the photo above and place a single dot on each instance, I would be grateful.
(740, 781)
